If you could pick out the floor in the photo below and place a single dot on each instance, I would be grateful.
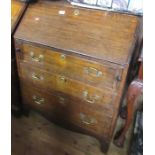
(34, 135)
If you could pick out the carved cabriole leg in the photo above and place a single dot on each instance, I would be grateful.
(134, 90)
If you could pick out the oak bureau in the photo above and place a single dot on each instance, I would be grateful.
(73, 64)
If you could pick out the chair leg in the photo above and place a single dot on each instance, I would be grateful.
(134, 90)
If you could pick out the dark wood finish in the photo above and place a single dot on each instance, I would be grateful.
(80, 54)
(15, 91)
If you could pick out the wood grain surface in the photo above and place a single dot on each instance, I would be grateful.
(17, 9)
(101, 34)
(37, 136)
(99, 74)
(80, 54)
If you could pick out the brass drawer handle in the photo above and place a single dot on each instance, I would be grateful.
(36, 77)
(63, 56)
(76, 12)
(90, 99)
(62, 101)
(38, 100)
(93, 71)
(62, 78)
(87, 120)
(118, 78)
(36, 59)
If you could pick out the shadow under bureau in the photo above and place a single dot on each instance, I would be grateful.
(73, 64)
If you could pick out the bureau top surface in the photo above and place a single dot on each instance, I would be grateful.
(104, 35)
(17, 8)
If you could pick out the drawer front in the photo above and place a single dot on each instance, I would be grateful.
(96, 33)
(77, 68)
(62, 108)
(60, 83)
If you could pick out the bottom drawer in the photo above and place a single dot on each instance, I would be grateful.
(63, 108)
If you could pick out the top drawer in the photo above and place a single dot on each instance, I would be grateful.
(91, 72)
(101, 34)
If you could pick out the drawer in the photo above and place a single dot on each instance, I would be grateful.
(61, 84)
(62, 108)
(88, 71)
